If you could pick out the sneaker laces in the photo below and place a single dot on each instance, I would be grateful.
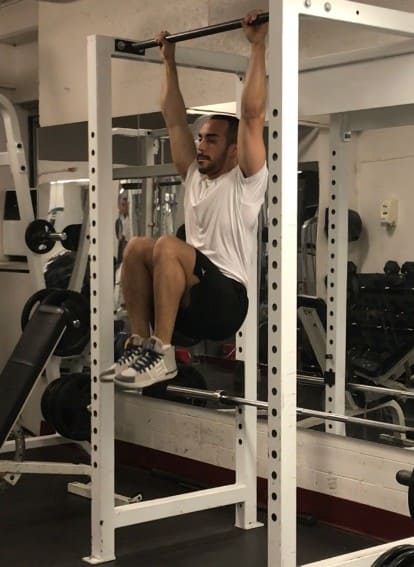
(131, 352)
(147, 359)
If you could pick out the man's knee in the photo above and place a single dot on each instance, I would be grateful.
(167, 246)
(138, 247)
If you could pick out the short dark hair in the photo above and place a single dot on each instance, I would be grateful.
(232, 126)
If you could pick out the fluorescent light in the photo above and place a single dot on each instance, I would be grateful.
(220, 108)
(86, 180)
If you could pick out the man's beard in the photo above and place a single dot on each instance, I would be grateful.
(204, 168)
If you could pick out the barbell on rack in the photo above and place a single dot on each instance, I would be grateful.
(40, 236)
(220, 396)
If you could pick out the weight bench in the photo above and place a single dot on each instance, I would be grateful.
(31, 354)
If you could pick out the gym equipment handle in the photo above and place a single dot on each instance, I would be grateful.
(200, 32)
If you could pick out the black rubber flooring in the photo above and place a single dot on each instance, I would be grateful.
(42, 525)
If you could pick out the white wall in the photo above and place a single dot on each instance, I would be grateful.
(7, 69)
(384, 165)
(27, 71)
(18, 50)
(385, 171)
(18, 19)
(346, 468)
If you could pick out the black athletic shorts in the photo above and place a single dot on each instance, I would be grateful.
(218, 304)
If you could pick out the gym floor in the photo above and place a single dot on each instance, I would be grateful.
(43, 525)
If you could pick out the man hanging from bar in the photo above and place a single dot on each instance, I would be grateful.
(198, 287)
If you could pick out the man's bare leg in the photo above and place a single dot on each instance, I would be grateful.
(136, 282)
(172, 275)
(173, 265)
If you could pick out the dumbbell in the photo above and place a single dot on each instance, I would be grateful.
(391, 268)
(408, 270)
(40, 236)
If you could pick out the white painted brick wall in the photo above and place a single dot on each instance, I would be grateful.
(342, 467)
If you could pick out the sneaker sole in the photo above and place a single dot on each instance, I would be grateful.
(131, 383)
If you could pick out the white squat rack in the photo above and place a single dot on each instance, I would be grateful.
(340, 97)
(105, 516)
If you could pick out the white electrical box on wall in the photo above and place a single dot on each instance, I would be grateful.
(389, 212)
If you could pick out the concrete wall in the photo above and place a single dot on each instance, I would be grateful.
(62, 53)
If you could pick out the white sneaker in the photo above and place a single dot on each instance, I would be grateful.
(156, 363)
(133, 349)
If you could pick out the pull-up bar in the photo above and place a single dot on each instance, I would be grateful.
(139, 48)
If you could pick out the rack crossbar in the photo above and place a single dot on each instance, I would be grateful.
(156, 509)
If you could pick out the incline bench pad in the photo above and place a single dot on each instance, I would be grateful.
(28, 359)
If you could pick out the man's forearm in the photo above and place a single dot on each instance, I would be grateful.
(253, 100)
(172, 102)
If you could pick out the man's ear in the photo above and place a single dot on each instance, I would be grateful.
(233, 150)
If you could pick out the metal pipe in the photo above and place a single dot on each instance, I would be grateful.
(319, 381)
(57, 236)
(141, 46)
(214, 395)
(242, 401)
(221, 396)
(381, 390)
(356, 420)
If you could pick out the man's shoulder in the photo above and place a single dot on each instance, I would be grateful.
(259, 177)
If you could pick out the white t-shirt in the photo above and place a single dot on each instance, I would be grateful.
(220, 217)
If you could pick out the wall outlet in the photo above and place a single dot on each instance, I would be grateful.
(389, 212)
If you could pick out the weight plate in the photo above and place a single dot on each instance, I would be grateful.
(388, 557)
(68, 406)
(37, 236)
(72, 231)
(76, 306)
(47, 400)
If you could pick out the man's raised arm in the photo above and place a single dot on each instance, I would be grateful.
(251, 151)
(182, 144)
